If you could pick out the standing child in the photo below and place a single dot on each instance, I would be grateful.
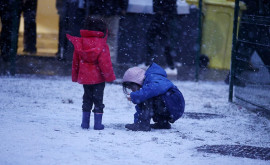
(155, 97)
(92, 67)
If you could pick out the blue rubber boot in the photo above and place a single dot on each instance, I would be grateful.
(85, 120)
(98, 121)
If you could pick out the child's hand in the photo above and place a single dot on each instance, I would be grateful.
(128, 97)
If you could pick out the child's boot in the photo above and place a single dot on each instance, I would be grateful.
(143, 124)
(138, 127)
(161, 122)
(98, 121)
(85, 120)
(161, 125)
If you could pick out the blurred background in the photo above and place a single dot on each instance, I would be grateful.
(212, 40)
(47, 21)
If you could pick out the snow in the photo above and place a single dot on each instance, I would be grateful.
(40, 124)
(170, 71)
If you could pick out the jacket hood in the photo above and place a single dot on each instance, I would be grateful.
(88, 33)
(156, 69)
(90, 41)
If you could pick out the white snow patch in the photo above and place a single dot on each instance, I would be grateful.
(40, 124)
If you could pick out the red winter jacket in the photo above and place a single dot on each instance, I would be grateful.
(91, 58)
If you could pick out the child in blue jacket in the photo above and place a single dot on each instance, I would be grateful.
(155, 97)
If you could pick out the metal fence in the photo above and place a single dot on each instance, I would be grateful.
(250, 70)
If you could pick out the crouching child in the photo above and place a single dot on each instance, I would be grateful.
(155, 96)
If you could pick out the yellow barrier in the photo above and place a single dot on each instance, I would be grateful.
(217, 31)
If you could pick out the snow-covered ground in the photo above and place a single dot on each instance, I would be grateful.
(40, 124)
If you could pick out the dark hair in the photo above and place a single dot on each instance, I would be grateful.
(129, 85)
(95, 25)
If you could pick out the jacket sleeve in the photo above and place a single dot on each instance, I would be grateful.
(148, 91)
(75, 67)
(75, 61)
(105, 64)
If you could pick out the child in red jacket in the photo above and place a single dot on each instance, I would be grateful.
(92, 67)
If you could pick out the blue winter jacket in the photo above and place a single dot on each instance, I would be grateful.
(155, 83)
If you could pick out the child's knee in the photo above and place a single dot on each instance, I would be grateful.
(99, 109)
(86, 107)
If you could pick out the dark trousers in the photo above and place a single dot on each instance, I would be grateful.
(73, 18)
(9, 31)
(29, 9)
(153, 108)
(93, 94)
(6, 21)
(61, 38)
(161, 113)
(159, 27)
(61, 10)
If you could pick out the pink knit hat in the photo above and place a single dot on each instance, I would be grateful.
(135, 75)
